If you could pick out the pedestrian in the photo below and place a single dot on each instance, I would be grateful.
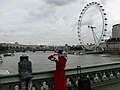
(25, 71)
(59, 74)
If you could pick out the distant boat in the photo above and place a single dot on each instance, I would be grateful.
(4, 72)
(1, 59)
(105, 55)
(81, 53)
(8, 54)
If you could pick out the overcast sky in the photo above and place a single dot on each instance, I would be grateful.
(50, 22)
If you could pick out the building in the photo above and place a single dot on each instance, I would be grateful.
(113, 44)
(116, 31)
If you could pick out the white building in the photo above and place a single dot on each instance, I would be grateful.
(116, 31)
(113, 44)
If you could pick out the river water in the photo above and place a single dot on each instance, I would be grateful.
(41, 63)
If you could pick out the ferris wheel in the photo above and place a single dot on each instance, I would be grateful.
(98, 35)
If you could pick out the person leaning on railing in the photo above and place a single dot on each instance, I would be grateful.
(25, 71)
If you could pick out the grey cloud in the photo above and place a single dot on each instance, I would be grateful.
(59, 2)
(46, 22)
(42, 11)
(104, 1)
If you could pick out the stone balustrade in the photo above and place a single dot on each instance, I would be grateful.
(99, 75)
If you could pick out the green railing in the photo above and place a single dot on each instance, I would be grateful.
(102, 74)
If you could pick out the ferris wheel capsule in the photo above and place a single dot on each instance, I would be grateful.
(102, 39)
(82, 9)
(87, 4)
(103, 9)
(105, 29)
(95, 2)
(78, 32)
(79, 16)
(106, 24)
(105, 18)
(98, 4)
(104, 13)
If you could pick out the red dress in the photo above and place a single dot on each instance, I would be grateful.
(59, 74)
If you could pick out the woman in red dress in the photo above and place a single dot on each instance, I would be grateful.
(59, 74)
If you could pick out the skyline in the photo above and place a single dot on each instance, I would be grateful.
(49, 22)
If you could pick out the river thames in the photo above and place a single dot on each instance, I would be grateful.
(40, 61)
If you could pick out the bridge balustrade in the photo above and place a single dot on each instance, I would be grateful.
(100, 75)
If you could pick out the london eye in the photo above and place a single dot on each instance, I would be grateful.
(92, 30)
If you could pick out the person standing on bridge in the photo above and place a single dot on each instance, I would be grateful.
(59, 74)
(25, 71)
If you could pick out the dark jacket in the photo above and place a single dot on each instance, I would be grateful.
(25, 69)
